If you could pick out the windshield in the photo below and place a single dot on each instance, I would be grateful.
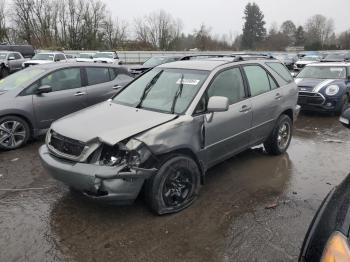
(43, 57)
(103, 55)
(323, 72)
(3, 55)
(165, 90)
(86, 56)
(155, 61)
(19, 79)
(309, 58)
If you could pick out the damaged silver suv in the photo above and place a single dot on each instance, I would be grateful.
(164, 130)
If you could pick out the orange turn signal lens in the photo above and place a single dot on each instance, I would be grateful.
(337, 249)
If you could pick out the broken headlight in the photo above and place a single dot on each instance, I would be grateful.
(133, 153)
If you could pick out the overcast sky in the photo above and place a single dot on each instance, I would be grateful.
(225, 16)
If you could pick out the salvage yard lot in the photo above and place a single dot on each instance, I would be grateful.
(253, 207)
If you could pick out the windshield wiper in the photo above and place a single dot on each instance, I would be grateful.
(148, 88)
(178, 93)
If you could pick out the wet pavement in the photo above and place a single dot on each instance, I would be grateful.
(253, 207)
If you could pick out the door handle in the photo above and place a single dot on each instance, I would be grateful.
(245, 109)
(278, 96)
(79, 93)
(117, 86)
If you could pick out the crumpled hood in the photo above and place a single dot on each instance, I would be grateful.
(314, 85)
(108, 122)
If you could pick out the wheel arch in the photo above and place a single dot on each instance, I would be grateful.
(186, 152)
(289, 112)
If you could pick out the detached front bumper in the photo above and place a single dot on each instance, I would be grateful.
(95, 181)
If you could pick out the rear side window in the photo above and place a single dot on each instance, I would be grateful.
(228, 84)
(282, 71)
(97, 75)
(60, 57)
(113, 73)
(258, 80)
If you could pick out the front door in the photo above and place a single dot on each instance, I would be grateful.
(228, 132)
(67, 96)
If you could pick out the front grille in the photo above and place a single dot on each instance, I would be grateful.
(310, 98)
(66, 145)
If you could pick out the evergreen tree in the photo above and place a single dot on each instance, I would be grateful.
(300, 36)
(254, 27)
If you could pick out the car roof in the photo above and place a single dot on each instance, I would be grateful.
(51, 66)
(51, 53)
(330, 64)
(203, 64)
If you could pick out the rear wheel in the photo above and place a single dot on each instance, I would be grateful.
(279, 140)
(14, 132)
(4, 72)
(175, 186)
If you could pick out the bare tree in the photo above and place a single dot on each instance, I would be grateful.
(115, 32)
(319, 29)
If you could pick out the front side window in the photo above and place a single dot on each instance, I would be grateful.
(123, 78)
(97, 75)
(323, 72)
(258, 80)
(228, 84)
(282, 71)
(17, 56)
(63, 79)
(165, 90)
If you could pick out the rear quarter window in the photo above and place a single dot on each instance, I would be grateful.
(282, 71)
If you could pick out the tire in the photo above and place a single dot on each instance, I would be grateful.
(344, 105)
(14, 132)
(278, 141)
(4, 72)
(175, 186)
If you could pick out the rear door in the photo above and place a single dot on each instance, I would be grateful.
(266, 100)
(103, 82)
(67, 96)
(228, 132)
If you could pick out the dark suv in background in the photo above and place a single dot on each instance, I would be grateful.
(31, 99)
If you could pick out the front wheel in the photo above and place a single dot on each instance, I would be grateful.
(175, 186)
(279, 140)
(14, 132)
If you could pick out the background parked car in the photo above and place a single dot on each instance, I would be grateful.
(324, 87)
(45, 58)
(337, 57)
(153, 62)
(85, 57)
(27, 51)
(10, 62)
(106, 57)
(305, 60)
(287, 59)
(31, 99)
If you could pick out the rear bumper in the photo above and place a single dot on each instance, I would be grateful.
(94, 181)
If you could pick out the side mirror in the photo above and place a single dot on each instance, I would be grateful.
(11, 58)
(44, 89)
(345, 118)
(218, 104)
(294, 74)
(120, 63)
